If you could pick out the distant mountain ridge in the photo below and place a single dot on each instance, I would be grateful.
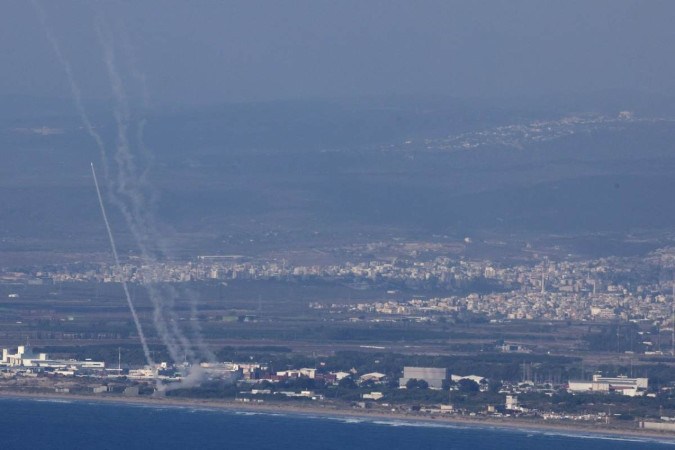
(403, 165)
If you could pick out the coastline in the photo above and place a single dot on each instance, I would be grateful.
(332, 411)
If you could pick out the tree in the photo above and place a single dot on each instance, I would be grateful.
(414, 383)
(448, 385)
(466, 385)
(368, 384)
(347, 383)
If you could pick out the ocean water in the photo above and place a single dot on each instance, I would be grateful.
(54, 424)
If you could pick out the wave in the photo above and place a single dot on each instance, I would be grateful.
(51, 400)
(463, 427)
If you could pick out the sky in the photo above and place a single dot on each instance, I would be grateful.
(204, 52)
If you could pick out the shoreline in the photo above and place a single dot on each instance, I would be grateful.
(332, 411)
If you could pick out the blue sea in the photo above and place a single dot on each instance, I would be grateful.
(56, 424)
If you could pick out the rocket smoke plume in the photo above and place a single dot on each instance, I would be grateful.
(84, 118)
(74, 88)
(131, 187)
(113, 247)
(127, 189)
(135, 209)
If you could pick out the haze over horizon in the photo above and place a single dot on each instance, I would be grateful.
(431, 127)
(217, 52)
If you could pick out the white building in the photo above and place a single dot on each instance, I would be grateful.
(298, 373)
(432, 375)
(621, 384)
(476, 378)
(372, 396)
(373, 376)
(24, 357)
(511, 403)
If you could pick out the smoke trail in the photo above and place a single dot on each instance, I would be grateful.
(113, 247)
(142, 225)
(84, 118)
(74, 88)
(196, 327)
(146, 154)
(159, 242)
(130, 184)
(126, 194)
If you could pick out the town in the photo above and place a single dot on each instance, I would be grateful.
(410, 328)
(611, 288)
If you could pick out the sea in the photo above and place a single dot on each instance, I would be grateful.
(62, 424)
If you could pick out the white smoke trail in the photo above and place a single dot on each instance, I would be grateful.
(74, 88)
(141, 81)
(196, 327)
(113, 247)
(130, 172)
(139, 214)
(141, 224)
(84, 118)
(127, 195)
(160, 241)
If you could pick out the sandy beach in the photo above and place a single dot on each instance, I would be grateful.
(344, 412)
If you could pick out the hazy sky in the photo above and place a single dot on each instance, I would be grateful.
(215, 51)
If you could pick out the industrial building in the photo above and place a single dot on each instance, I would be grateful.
(25, 358)
(623, 385)
(433, 376)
